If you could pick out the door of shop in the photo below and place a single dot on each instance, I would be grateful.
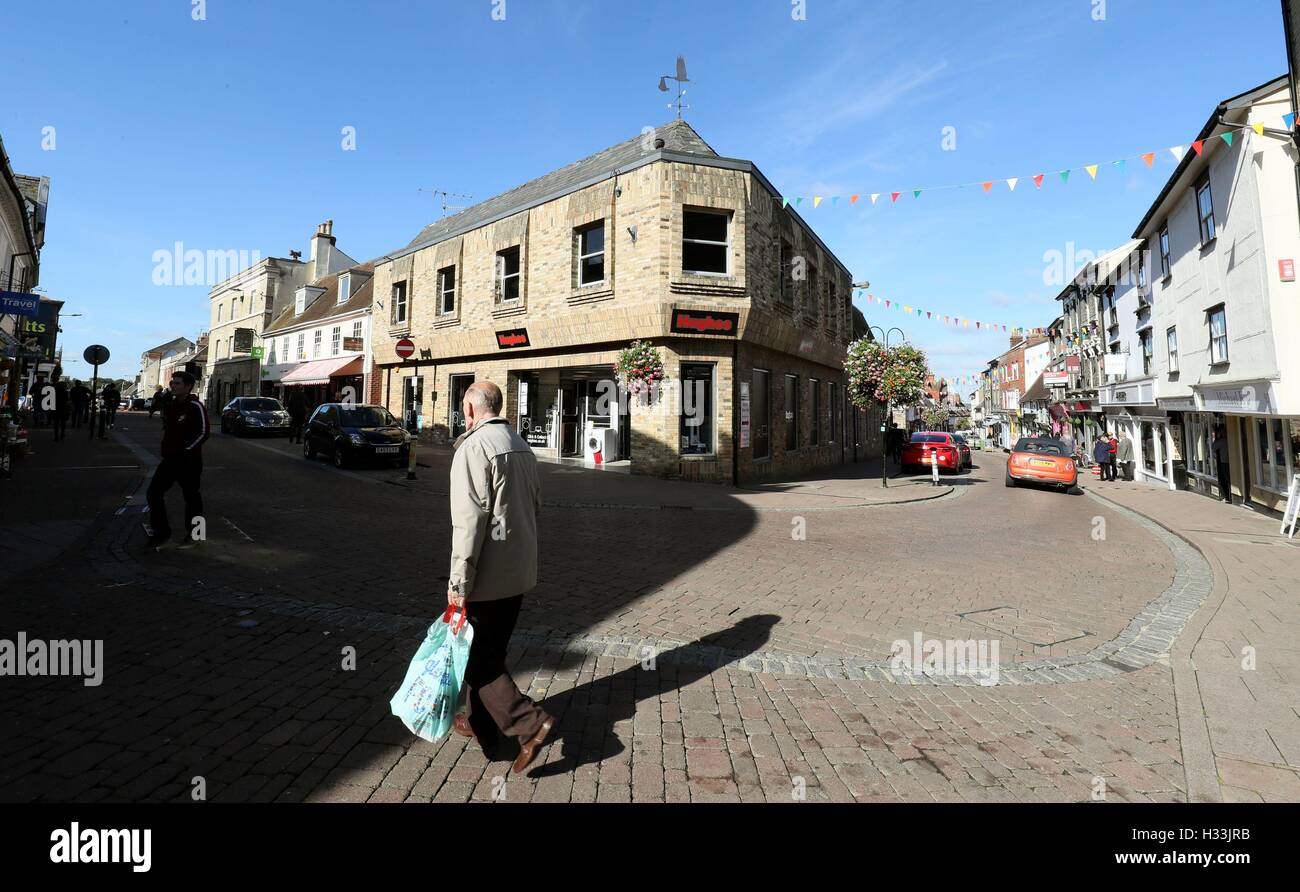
(456, 419)
(413, 404)
(760, 409)
(1244, 427)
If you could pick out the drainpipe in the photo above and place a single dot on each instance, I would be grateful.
(735, 413)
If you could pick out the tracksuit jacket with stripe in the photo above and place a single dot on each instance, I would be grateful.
(185, 428)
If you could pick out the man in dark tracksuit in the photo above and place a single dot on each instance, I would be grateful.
(185, 428)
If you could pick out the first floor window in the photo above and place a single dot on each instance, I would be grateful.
(591, 253)
(791, 412)
(786, 273)
(814, 429)
(1218, 335)
(1171, 340)
(507, 275)
(315, 344)
(1205, 211)
(1163, 240)
(1148, 352)
(447, 290)
(399, 310)
(697, 409)
(336, 340)
(356, 329)
(706, 241)
(302, 351)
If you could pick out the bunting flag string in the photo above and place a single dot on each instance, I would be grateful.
(986, 185)
(954, 321)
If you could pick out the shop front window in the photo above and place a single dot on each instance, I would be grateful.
(697, 409)
(1148, 447)
(1275, 452)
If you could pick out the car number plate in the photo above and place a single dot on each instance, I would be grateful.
(385, 449)
(1042, 463)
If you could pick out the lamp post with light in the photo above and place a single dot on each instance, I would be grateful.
(889, 407)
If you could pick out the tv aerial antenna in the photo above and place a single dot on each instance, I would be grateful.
(444, 196)
(681, 79)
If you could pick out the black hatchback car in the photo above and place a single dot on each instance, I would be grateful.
(254, 414)
(352, 433)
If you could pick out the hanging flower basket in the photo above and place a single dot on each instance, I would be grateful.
(639, 368)
(878, 374)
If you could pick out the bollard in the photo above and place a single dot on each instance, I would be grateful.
(934, 466)
(410, 460)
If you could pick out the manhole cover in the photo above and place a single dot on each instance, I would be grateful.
(1024, 625)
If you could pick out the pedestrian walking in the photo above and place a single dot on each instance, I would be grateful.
(297, 415)
(185, 428)
(1113, 446)
(1124, 454)
(54, 399)
(40, 416)
(108, 417)
(1101, 455)
(1220, 448)
(894, 440)
(495, 498)
(155, 404)
(80, 396)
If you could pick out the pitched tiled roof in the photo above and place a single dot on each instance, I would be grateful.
(327, 305)
(679, 138)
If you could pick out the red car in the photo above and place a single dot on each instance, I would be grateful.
(936, 446)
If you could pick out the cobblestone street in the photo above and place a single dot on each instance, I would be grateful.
(694, 648)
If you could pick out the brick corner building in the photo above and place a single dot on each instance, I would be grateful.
(657, 239)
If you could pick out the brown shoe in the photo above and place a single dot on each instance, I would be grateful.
(528, 749)
(460, 725)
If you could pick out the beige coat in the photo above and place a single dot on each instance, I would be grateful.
(496, 495)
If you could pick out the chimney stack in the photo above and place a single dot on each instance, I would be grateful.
(322, 244)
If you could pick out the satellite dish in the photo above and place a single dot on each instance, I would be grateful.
(681, 68)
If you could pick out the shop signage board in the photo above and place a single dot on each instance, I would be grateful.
(404, 348)
(705, 322)
(255, 353)
(1251, 398)
(244, 340)
(1286, 269)
(1292, 508)
(354, 345)
(1115, 363)
(1056, 379)
(1178, 403)
(512, 339)
(20, 303)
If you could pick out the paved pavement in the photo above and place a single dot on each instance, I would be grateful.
(697, 642)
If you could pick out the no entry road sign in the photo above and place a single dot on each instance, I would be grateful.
(404, 348)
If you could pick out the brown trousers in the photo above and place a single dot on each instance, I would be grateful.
(495, 703)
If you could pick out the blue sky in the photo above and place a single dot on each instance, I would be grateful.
(225, 134)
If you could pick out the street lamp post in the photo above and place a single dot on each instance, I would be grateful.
(884, 430)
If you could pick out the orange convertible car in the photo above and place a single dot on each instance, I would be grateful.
(1042, 460)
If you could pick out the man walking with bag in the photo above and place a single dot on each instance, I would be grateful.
(1125, 454)
(185, 428)
(495, 499)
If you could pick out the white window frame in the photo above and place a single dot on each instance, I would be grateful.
(1171, 348)
(400, 312)
(357, 329)
(1166, 258)
(1199, 431)
(1146, 338)
(299, 301)
(315, 344)
(1265, 461)
(336, 340)
(716, 212)
(1201, 217)
(302, 345)
(712, 421)
(345, 287)
(502, 276)
(443, 290)
(1220, 310)
(579, 234)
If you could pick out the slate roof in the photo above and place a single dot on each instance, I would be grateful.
(327, 305)
(679, 138)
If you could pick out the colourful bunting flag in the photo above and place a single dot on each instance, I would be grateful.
(1038, 181)
(1226, 137)
(1198, 145)
(1178, 152)
(874, 196)
(798, 201)
(1011, 183)
(1258, 128)
(893, 196)
(817, 199)
(916, 193)
(784, 201)
(1092, 170)
(1289, 121)
(988, 184)
(1121, 163)
(1065, 176)
(853, 199)
(1149, 158)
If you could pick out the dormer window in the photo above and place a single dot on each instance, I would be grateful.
(299, 301)
(345, 287)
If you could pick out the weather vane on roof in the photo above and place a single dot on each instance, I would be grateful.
(680, 77)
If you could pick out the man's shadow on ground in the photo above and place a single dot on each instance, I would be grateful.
(588, 713)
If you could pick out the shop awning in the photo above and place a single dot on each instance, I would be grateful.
(319, 371)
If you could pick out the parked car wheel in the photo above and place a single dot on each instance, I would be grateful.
(1011, 481)
(340, 456)
(308, 451)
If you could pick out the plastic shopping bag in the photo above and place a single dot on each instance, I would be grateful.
(426, 702)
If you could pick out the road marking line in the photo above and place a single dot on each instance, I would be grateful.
(231, 524)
